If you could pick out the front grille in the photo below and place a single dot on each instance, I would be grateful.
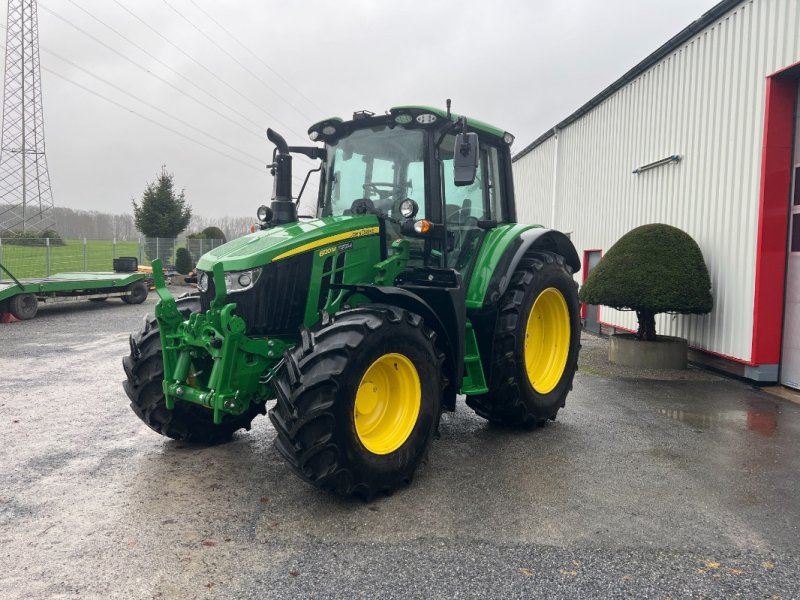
(277, 302)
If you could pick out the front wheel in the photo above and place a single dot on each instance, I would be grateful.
(359, 401)
(536, 344)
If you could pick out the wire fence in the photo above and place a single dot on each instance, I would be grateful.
(42, 257)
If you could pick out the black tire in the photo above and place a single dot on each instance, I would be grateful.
(138, 293)
(512, 399)
(316, 394)
(23, 306)
(144, 370)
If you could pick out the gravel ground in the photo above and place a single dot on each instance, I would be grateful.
(648, 485)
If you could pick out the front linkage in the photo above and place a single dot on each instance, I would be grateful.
(208, 359)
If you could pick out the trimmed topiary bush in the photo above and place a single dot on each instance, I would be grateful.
(652, 269)
(214, 233)
(183, 261)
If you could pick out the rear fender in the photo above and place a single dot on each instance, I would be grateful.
(496, 263)
(499, 261)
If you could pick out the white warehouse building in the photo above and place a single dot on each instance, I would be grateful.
(704, 134)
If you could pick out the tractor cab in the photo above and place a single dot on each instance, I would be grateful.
(403, 167)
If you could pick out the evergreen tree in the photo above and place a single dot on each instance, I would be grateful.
(162, 213)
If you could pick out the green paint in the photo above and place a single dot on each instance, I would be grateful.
(208, 360)
(474, 380)
(494, 246)
(262, 247)
(389, 269)
(62, 283)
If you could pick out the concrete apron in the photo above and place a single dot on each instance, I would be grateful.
(665, 352)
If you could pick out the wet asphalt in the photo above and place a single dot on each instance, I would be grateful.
(643, 488)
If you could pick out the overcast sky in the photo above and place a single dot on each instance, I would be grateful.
(522, 66)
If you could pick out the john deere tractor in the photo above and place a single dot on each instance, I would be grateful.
(411, 285)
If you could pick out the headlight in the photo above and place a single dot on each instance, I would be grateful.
(239, 281)
(264, 213)
(408, 208)
(202, 282)
(426, 118)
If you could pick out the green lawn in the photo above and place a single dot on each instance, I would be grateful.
(27, 261)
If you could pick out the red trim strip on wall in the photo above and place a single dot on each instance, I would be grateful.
(776, 162)
(585, 264)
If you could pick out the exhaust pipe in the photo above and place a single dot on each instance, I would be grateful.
(284, 210)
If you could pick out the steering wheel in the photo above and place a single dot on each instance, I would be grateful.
(456, 216)
(383, 194)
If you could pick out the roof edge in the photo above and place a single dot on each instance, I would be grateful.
(661, 52)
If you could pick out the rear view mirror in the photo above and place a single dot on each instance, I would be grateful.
(465, 159)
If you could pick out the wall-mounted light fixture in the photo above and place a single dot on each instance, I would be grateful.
(664, 161)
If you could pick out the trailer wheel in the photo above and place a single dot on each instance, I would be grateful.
(23, 306)
(536, 344)
(138, 293)
(145, 373)
(359, 401)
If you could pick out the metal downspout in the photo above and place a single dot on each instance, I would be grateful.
(555, 181)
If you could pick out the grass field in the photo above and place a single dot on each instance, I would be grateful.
(29, 261)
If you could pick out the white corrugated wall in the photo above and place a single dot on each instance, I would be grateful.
(705, 102)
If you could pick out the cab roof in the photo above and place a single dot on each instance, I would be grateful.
(416, 109)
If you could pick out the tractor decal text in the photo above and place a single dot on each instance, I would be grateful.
(356, 233)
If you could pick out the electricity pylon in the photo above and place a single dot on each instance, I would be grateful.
(26, 200)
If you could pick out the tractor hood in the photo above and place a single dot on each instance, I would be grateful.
(258, 249)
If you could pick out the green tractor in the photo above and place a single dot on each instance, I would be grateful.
(413, 284)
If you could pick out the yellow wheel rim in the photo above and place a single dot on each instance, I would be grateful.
(547, 340)
(387, 403)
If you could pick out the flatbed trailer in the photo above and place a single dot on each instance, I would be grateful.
(21, 297)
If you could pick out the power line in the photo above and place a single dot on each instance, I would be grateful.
(136, 64)
(146, 70)
(146, 118)
(237, 61)
(303, 135)
(258, 58)
(150, 105)
(181, 75)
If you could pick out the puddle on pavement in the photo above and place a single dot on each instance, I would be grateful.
(759, 416)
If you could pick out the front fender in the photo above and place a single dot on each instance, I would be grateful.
(441, 311)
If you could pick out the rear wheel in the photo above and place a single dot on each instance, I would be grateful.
(145, 373)
(138, 293)
(23, 306)
(536, 344)
(359, 401)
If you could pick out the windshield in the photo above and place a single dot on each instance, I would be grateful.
(380, 164)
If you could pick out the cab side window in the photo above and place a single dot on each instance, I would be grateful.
(464, 206)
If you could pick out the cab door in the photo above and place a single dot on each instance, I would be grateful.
(465, 207)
